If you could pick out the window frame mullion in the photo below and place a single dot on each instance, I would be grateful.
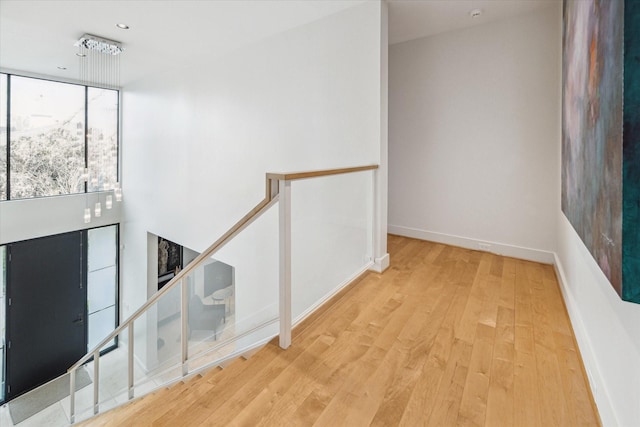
(8, 145)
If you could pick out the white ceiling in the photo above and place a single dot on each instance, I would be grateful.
(412, 19)
(38, 36)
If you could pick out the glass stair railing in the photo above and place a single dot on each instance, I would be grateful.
(300, 245)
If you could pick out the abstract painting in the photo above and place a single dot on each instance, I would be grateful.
(600, 185)
(631, 155)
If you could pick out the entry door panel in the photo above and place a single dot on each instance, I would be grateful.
(46, 324)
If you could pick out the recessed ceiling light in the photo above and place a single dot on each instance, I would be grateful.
(122, 26)
(475, 13)
(62, 68)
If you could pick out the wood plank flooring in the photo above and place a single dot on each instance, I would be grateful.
(445, 337)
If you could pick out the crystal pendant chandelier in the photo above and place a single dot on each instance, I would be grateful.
(99, 65)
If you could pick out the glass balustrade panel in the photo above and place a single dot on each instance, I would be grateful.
(158, 341)
(233, 295)
(331, 236)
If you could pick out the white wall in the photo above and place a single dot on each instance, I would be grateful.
(198, 140)
(472, 136)
(606, 329)
(45, 216)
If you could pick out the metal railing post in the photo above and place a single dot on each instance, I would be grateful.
(184, 319)
(130, 361)
(72, 396)
(285, 263)
(96, 381)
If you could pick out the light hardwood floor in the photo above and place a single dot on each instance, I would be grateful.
(445, 337)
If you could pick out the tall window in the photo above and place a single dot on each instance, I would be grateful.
(46, 138)
(52, 131)
(102, 147)
(102, 283)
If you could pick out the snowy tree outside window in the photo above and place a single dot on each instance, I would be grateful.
(55, 131)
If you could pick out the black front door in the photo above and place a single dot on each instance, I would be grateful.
(46, 309)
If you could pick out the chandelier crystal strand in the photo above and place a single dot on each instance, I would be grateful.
(85, 171)
(99, 65)
(87, 210)
(119, 195)
(118, 73)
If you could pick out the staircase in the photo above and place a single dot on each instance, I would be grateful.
(170, 405)
(334, 231)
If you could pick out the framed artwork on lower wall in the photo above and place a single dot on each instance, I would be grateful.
(169, 260)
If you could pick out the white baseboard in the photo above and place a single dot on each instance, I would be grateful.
(529, 254)
(601, 397)
(330, 294)
(381, 264)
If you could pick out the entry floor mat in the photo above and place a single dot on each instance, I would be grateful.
(31, 403)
